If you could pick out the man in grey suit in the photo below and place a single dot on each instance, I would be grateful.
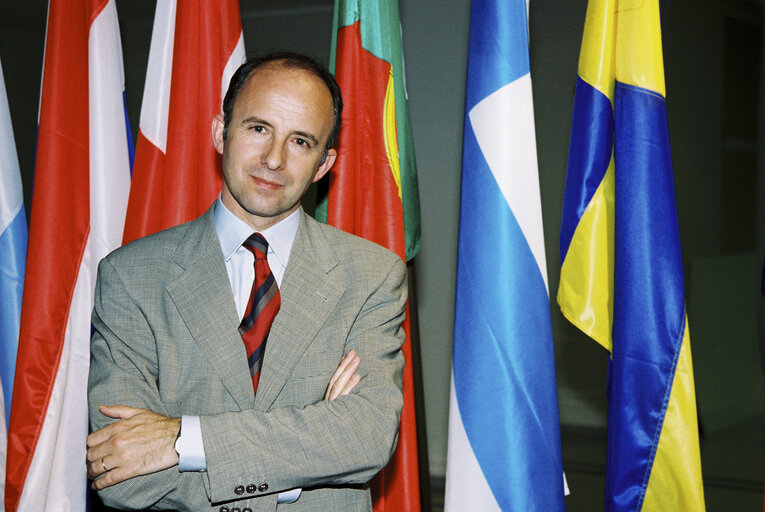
(166, 344)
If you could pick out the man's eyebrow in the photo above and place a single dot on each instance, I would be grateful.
(255, 120)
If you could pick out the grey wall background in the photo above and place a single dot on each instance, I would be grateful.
(713, 56)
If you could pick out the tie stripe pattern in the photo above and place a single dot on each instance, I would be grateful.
(262, 307)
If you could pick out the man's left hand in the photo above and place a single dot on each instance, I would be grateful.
(142, 442)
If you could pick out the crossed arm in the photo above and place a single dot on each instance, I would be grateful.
(141, 441)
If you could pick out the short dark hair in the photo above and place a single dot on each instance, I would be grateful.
(288, 60)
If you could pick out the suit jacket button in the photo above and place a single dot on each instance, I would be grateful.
(248, 509)
(251, 488)
(236, 509)
(239, 490)
(263, 487)
(223, 509)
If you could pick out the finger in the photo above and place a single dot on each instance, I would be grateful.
(92, 472)
(355, 379)
(120, 411)
(343, 364)
(96, 467)
(347, 386)
(338, 388)
(342, 374)
(94, 454)
(112, 411)
(112, 477)
(109, 431)
(101, 458)
(102, 435)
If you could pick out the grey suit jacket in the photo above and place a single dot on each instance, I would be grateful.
(166, 339)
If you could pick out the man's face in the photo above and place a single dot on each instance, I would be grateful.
(275, 142)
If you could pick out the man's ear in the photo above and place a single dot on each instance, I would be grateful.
(326, 165)
(217, 133)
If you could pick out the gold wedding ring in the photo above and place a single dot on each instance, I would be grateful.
(103, 465)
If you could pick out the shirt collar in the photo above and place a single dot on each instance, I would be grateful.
(233, 231)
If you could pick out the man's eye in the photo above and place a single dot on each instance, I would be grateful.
(258, 129)
(301, 142)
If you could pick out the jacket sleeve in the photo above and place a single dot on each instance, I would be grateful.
(123, 370)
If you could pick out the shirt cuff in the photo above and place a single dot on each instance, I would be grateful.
(191, 450)
(290, 496)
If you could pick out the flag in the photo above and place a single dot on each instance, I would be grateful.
(504, 434)
(196, 46)
(13, 255)
(621, 274)
(82, 175)
(373, 186)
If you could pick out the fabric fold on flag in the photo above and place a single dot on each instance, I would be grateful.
(373, 186)
(621, 271)
(195, 48)
(82, 178)
(13, 255)
(504, 448)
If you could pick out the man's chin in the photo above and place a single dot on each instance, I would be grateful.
(271, 213)
(263, 217)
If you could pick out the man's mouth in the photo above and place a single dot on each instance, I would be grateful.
(266, 183)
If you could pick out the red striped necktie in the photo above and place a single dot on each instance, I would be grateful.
(262, 307)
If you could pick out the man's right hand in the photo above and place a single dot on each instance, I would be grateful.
(344, 379)
(141, 442)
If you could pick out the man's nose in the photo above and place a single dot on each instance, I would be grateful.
(273, 156)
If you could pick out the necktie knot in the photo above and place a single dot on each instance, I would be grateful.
(257, 245)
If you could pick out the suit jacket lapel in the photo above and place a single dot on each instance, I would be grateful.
(309, 292)
(202, 294)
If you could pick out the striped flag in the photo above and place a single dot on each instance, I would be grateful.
(196, 46)
(13, 255)
(373, 186)
(621, 275)
(504, 434)
(82, 175)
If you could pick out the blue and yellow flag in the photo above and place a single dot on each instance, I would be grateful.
(622, 276)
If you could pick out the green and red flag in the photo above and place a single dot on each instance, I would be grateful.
(373, 185)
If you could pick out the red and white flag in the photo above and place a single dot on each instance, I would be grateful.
(196, 46)
(82, 178)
